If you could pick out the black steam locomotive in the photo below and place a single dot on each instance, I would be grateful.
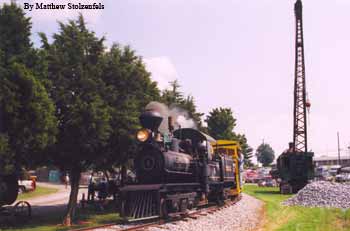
(179, 170)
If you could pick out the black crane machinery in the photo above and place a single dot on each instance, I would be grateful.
(295, 166)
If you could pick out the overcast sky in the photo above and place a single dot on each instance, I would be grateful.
(237, 54)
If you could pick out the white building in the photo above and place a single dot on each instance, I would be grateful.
(332, 160)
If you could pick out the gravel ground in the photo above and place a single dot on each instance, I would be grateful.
(322, 194)
(244, 215)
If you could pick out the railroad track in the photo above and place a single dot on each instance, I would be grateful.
(195, 214)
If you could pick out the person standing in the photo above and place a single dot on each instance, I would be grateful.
(91, 188)
(66, 180)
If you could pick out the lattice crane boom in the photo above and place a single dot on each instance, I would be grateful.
(300, 123)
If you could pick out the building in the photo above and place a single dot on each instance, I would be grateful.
(332, 160)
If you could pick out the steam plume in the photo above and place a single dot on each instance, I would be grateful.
(179, 115)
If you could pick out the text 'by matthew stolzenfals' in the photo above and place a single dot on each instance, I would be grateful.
(69, 6)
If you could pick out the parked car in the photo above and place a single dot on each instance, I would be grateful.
(334, 170)
(26, 186)
(250, 176)
(267, 182)
(271, 183)
(261, 183)
(342, 177)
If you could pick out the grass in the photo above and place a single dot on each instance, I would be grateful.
(39, 191)
(52, 222)
(297, 218)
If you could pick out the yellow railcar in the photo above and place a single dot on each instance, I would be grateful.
(231, 149)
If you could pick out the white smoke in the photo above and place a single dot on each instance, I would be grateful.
(179, 115)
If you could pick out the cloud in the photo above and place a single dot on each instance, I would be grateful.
(162, 70)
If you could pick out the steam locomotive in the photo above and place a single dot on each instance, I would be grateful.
(178, 170)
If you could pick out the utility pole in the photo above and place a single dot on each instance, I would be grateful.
(338, 149)
(349, 155)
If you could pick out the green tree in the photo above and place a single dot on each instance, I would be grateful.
(247, 151)
(173, 97)
(15, 34)
(265, 154)
(27, 121)
(99, 96)
(189, 105)
(130, 89)
(77, 89)
(221, 124)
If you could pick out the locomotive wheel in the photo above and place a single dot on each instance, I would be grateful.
(163, 208)
(22, 209)
(220, 199)
(190, 205)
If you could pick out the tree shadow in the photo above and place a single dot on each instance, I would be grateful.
(267, 192)
(51, 218)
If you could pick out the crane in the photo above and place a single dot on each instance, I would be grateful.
(295, 165)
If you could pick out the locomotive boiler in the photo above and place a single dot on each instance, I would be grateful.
(178, 170)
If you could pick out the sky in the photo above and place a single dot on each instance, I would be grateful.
(237, 54)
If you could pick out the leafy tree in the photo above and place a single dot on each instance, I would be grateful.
(221, 124)
(14, 33)
(130, 89)
(265, 154)
(189, 105)
(27, 121)
(77, 90)
(247, 151)
(99, 96)
(174, 97)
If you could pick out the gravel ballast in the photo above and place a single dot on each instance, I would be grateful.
(322, 194)
(244, 215)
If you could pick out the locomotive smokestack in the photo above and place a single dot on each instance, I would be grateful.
(151, 120)
(170, 124)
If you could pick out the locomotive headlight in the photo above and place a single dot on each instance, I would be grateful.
(142, 135)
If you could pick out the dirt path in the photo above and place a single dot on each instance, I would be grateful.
(55, 202)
